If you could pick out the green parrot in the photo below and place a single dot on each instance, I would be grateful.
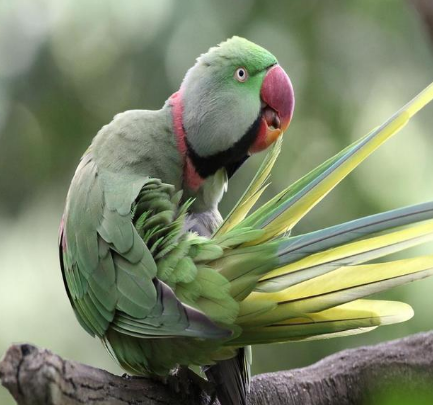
(152, 269)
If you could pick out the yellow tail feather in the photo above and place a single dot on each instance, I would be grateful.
(348, 319)
(337, 287)
(366, 249)
(253, 192)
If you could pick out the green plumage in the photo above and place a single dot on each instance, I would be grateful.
(158, 295)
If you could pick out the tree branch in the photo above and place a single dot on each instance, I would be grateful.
(36, 376)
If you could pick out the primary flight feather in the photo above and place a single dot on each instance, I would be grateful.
(152, 269)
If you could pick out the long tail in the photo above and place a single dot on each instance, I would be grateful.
(311, 286)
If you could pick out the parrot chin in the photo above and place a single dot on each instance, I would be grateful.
(277, 104)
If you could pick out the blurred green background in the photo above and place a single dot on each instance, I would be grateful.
(66, 67)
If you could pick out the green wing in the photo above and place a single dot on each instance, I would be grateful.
(109, 271)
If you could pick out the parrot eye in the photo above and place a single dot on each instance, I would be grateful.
(241, 74)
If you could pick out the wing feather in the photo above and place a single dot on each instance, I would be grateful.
(109, 272)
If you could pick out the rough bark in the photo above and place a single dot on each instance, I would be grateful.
(37, 376)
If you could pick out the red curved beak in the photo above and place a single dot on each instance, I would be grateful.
(278, 102)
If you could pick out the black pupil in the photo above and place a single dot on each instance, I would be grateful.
(241, 73)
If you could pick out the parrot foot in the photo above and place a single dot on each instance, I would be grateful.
(127, 376)
(185, 381)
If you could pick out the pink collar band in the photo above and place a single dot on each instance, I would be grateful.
(190, 175)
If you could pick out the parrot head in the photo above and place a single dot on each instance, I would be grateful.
(236, 100)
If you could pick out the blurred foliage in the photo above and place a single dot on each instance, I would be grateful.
(68, 66)
(392, 393)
